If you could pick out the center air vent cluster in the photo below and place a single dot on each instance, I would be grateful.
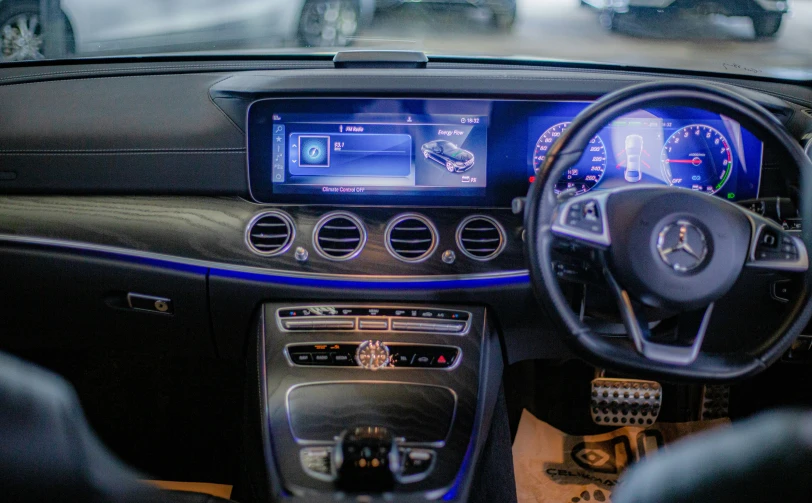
(339, 236)
(411, 238)
(270, 233)
(480, 238)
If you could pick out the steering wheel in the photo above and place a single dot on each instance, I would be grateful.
(665, 249)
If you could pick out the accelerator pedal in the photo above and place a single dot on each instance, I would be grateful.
(625, 402)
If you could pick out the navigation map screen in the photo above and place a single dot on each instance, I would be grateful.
(378, 154)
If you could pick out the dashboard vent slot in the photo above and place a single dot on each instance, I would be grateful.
(270, 233)
(480, 237)
(411, 238)
(339, 236)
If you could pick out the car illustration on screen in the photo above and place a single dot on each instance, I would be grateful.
(445, 153)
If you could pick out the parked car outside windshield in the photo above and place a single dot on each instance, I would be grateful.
(769, 38)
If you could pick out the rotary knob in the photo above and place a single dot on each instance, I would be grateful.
(372, 355)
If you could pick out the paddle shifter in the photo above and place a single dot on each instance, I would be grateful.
(366, 459)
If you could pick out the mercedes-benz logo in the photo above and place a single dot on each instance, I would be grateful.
(682, 246)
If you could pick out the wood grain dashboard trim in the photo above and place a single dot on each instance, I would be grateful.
(209, 232)
(271, 274)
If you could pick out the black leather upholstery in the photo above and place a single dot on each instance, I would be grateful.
(49, 453)
(767, 458)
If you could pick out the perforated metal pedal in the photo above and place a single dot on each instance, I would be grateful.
(715, 402)
(625, 402)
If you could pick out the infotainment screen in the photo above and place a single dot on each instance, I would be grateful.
(481, 153)
(379, 154)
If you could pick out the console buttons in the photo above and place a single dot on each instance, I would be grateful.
(339, 359)
(406, 325)
(421, 360)
(417, 464)
(435, 357)
(302, 358)
(339, 355)
(444, 359)
(402, 358)
(374, 355)
(439, 314)
(373, 324)
(319, 324)
(435, 326)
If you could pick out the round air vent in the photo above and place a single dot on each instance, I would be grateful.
(339, 236)
(480, 237)
(270, 233)
(411, 237)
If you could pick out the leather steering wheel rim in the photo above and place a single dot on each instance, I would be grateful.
(542, 205)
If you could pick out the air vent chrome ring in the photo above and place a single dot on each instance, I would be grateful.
(433, 241)
(277, 220)
(493, 247)
(330, 254)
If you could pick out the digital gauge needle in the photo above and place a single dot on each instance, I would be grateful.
(696, 161)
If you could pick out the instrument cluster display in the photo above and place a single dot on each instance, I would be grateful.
(686, 148)
(480, 152)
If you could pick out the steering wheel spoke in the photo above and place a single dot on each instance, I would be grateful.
(637, 328)
(584, 218)
(771, 247)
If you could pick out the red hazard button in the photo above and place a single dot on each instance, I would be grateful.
(441, 360)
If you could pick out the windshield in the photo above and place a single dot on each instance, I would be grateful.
(752, 37)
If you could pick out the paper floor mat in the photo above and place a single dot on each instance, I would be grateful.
(553, 467)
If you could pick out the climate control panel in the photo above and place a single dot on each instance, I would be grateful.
(339, 318)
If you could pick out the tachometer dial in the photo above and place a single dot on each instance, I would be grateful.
(697, 157)
(586, 173)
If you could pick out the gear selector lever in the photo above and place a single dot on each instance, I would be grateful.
(366, 459)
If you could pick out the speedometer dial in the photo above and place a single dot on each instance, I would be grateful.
(584, 175)
(697, 157)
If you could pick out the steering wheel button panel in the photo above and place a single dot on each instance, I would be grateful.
(584, 218)
(774, 248)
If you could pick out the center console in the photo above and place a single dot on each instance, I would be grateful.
(389, 401)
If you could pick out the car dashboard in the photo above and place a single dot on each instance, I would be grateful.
(299, 217)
